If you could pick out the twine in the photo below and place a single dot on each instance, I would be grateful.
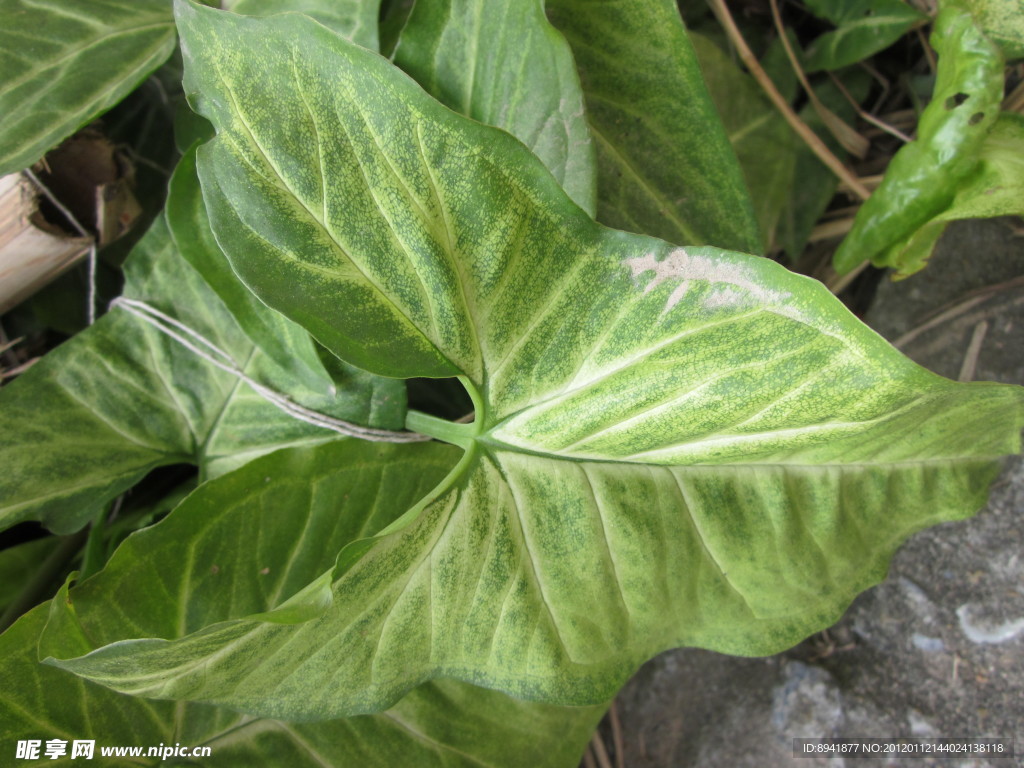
(201, 346)
(91, 279)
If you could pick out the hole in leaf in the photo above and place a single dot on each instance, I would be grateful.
(956, 100)
(976, 118)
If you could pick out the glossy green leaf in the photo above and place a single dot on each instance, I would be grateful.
(120, 398)
(64, 63)
(671, 446)
(286, 343)
(1003, 21)
(665, 167)
(996, 188)
(355, 20)
(235, 548)
(864, 28)
(925, 175)
(503, 64)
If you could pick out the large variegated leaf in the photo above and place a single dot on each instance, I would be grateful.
(665, 167)
(234, 548)
(503, 64)
(671, 446)
(63, 63)
(120, 398)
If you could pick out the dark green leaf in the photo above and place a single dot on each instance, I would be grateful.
(665, 167)
(64, 63)
(503, 64)
(814, 184)
(765, 145)
(283, 341)
(865, 27)
(19, 563)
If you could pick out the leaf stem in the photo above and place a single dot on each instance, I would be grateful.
(446, 431)
(94, 554)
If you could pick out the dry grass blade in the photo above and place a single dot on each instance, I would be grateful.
(613, 716)
(973, 350)
(18, 370)
(809, 137)
(1014, 102)
(600, 752)
(6, 345)
(960, 307)
(839, 283)
(853, 142)
(829, 229)
(867, 116)
(929, 54)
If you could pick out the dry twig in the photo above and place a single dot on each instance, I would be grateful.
(853, 142)
(809, 137)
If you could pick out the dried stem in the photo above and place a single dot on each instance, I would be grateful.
(852, 141)
(865, 115)
(973, 350)
(613, 716)
(599, 751)
(809, 137)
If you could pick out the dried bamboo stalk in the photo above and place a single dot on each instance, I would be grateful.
(32, 253)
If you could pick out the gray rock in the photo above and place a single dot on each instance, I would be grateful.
(938, 648)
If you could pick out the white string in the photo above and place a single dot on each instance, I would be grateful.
(211, 353)
(91, 309)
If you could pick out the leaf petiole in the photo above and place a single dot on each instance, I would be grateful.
(446, 431)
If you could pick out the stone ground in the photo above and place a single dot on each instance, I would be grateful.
(935, 650)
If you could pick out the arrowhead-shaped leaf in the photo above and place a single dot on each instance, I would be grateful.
(62, 64)
(671, 446)
(503, 64)
(232, 549)
(96, 414)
